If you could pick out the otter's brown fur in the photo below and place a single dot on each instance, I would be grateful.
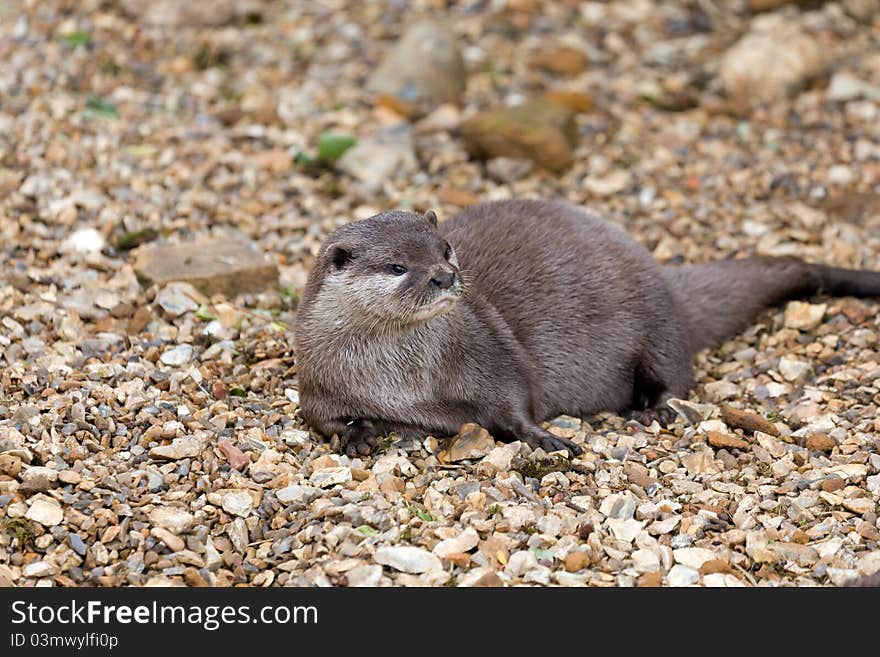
(546, 310)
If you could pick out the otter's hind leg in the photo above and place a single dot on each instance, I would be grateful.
(660, 376)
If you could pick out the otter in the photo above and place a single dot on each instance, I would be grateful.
(511, 313)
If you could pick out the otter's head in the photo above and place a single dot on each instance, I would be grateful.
(393, 268)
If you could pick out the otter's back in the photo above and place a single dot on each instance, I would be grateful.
(576, 291)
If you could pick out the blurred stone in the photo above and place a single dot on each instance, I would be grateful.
(179, 355)
(171, 13)
(575, 100)
(767, 5)
(792, 369)
(773, 61)
(85, 240)
(669, 94)
(846, 86)
(803, 315)
(178, 298)
(277, 160)
(458, 197)
(213, 266)
(699, 463)
(542, 131)
(692, 412)
(424, 69)
(508, 169)
(607, 185)
(820, 442)
(387, 156)
(862, 10)
(561, 61)
(726, 441)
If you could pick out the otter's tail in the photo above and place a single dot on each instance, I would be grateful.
(722, 298)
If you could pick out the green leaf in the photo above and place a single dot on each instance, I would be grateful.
(204, 314)
(77, 38)
(135, 238)
(238, 392)
(98, 107)
(366, 530)
(332, 144)
(424, 515)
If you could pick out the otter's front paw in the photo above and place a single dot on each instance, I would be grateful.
(550, 443)
(359, 438)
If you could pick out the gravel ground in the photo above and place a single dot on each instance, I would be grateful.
(149, 434)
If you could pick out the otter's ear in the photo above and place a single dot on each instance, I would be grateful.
(431, 216)
(339, 255)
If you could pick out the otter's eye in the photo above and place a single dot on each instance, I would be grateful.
(397, 270)
(448, 252)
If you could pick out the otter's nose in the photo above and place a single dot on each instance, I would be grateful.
(443, 279)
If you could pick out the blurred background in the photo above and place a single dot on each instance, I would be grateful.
(704, 127)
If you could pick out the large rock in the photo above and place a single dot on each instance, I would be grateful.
(424, 69)
(773, 61)
(212, 266)
(542, 131)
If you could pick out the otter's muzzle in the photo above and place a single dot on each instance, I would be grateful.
(443, 279)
